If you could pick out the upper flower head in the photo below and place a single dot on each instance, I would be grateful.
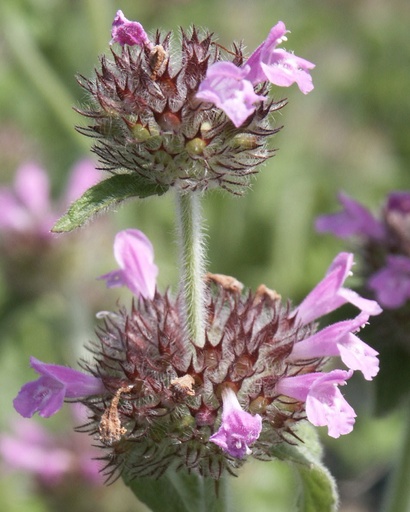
(325, 404)
(135, 256)
(128, 32)
(268, 63)
(354, 219)
(168, 113)
(329, 294)
(46, 395)
(238, 429)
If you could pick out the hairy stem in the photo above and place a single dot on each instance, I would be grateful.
(190, 237)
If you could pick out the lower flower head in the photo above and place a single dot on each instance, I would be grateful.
(155, 398)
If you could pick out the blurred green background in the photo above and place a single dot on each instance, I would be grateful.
(350, 133)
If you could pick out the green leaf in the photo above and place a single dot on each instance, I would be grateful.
(181, 492)
(104, 195)
(318, 489)
(317, 486)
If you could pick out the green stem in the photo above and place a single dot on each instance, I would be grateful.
(398, 495)
(190, 237)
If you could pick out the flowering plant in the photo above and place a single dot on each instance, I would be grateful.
(185, 386)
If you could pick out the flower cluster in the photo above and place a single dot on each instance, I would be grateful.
(48, 457)
(155, 398)
(186, 117)
(28, 213)
(384, 244)
(31, 253)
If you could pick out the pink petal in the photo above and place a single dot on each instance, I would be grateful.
(239, 429)
(329, 294)
(277, 65)
(128, 32)
(225, 86)
(135, 256)
(325, 404)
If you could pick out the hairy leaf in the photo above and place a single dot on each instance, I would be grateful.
(105, 195)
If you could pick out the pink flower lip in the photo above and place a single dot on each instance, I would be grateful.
(325, 404)
(239, 429)
(226, 87)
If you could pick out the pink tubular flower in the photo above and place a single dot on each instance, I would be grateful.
(338, 340)
(135, 256)
(392, 282)
(329, 293)
(128, 32)
(325, 404)
(353, 220)
(268, 63)
(239, 429)
(46, 395)
(225, 86)
(231, 88)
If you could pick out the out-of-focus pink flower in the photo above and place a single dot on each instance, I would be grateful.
(34, 450)
(135, 256)
(46, 395)
(338, 340)
(354, 220)
(83, 175)
(225, 86)
(27, 208)
(269, 63)
(128, 32)
(325, 404)
(238, 429)
(391, 283)
(398, 201)
(329, 293)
